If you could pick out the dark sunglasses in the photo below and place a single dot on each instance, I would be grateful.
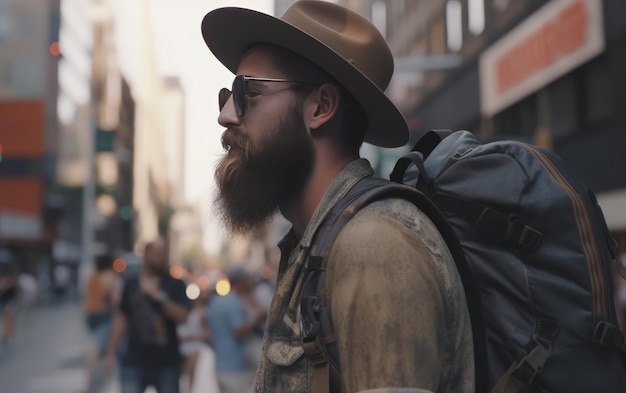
(240, 91)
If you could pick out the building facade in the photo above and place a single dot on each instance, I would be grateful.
(547, 72)
(29, 34)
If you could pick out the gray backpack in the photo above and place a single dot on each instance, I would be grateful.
(534, 252)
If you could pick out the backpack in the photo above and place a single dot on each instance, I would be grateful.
(533, 251)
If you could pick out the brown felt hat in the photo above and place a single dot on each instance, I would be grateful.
(340, 41)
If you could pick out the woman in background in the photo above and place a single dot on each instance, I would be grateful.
(193, 335)
(100, 299)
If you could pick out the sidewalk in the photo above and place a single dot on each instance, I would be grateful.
(48, 355)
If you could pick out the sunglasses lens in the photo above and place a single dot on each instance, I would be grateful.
(239, 95)
(223, 97)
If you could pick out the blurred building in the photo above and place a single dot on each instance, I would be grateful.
(151, 184)
(74, 119)
(139, 142)
(108, 196)
(29, 204)
(185, 224)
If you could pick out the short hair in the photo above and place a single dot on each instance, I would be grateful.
(354, 118)
(159, 241)
(104, 262)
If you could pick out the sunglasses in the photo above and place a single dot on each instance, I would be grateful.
(240, 91)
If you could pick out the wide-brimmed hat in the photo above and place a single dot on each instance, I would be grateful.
(340, 41)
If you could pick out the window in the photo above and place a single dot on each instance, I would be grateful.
(598, 97)
(379, 16)
(454, 25)
(519, 121)
(437, 37)
(562, 106)
(5, 26)
(476, 16)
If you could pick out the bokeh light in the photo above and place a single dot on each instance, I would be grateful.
(203, 282)
(119, 265)
(55, 49)
(222, 287)
(177, 271)
(193, 291)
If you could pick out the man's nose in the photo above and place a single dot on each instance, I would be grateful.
(228, 115)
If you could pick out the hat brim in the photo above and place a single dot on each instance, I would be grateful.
(230, 32)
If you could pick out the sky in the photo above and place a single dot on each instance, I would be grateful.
(181, 51)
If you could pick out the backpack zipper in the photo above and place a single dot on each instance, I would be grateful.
(586, 232)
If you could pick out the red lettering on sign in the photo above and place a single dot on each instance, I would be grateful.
(551, 41)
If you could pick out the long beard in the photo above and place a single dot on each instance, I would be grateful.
(253, 181)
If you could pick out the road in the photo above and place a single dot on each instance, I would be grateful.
(48, 355)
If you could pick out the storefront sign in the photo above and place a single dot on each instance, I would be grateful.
(20, 226)
(557, 38)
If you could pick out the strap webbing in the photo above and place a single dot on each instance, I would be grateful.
(508, 384)
(320, 381)
(609, 335)
(523, 372)
(492, 223)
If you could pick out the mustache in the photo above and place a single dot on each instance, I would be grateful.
(232, 140)
(238, 152)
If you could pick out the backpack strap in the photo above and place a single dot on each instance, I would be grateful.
(427, 143)
(538, 350)
(315, 315)
(608, 335)
(494, 224)
(420, 152)
(318, 340)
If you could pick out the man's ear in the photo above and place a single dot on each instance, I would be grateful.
(324, 105)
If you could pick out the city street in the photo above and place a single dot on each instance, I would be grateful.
(48, 355)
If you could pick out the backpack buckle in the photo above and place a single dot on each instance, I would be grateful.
(312, 345)
(532, 364)
(529, 237)
(609, 335)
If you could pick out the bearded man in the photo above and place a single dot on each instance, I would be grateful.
(308, 91)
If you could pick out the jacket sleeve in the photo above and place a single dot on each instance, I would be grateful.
(388, 303)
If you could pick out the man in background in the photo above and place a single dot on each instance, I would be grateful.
(233, 322)
(151, 305)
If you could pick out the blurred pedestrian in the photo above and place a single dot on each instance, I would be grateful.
(255, 302)
(8, 303)
(232, 322)
(62, 280)
(194, 336)
(101, 297)
(28, 296)
(151, 305)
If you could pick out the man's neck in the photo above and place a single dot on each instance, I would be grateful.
(300, 210)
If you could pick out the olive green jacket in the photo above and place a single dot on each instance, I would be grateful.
(395, 299)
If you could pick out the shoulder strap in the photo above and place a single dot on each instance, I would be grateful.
(318, 327)
(318, 340)
(420, 152)
(427, 143)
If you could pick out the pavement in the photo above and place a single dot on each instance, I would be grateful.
(48, 353)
